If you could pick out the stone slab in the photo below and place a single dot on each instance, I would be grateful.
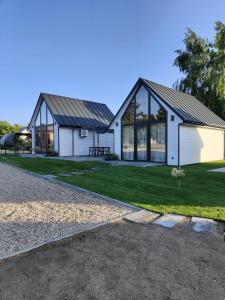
(202, 225)
(77, 173)
(65, 175)
(169, 220)
(220, 170)
(49, 176)
(142, 216)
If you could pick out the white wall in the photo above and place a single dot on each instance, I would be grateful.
(56, 137)
(200, 144)
(106, 140)
(65, 142)
(172, 131)
(82, 144)
(72, 144)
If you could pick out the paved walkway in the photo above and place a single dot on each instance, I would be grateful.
(219, 170)
(195, 224)
(34, 211)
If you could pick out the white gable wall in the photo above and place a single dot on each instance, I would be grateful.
(200, 144)
(172, 131)
(56, 136)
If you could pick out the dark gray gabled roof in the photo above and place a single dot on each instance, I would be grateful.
(78, 113)
(186, 106)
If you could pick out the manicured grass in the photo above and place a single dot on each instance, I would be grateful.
(202, 192)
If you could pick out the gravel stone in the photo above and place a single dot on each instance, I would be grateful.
(34, 211)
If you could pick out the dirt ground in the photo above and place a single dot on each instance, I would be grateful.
(120, 261)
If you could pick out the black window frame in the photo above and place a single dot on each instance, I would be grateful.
(148, 123)
(45, 127)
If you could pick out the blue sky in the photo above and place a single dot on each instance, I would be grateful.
(92, 49)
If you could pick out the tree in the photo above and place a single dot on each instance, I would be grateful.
(203, 65)
(5, 127)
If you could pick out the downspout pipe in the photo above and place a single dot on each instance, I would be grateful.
(179, 144)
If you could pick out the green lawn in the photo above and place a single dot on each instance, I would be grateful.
(202, 193)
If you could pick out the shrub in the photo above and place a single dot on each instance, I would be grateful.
(51, 153)
(111, 156)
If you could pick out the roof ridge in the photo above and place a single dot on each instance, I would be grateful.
(75, 99)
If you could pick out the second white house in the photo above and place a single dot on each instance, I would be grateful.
(159, 124)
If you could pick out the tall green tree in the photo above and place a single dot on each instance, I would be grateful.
(6, 127)
(203, 64)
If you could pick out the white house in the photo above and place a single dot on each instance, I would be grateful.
(158, 124)
(70, 126)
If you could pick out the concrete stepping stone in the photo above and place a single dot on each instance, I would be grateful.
(220, 170)
(49, 176)
(169, 220)
(77, 173)
(65, 175)
(202, 225)
(142, 216)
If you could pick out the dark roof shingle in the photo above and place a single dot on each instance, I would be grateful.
(78, 113)
(187, 107)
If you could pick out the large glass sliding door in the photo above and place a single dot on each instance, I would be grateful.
(144, 126)
(142, 143)
(128, 142)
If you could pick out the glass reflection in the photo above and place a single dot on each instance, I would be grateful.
(128, 143)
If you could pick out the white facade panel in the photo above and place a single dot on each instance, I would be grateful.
(56, 137)
(200, 144)
(106, 140)
(82, 144)
(65, 142)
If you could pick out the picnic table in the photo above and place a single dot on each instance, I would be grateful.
(99, 151)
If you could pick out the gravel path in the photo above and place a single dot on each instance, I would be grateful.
(34, 211)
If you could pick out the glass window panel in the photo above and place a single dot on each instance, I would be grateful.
(43, 114)
(142, 143)
(142, 104)
(158, 142)
(157, 112)
(50, 138)
(37, 140)
(43, 139)
(38, 121)
(49, 117)
(128, 143)
(128, 117)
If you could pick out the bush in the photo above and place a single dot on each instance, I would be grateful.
(51, 153)
(111, 156)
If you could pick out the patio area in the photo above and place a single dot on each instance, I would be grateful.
(97, 159)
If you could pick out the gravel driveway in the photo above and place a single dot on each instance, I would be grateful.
(34, 211)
